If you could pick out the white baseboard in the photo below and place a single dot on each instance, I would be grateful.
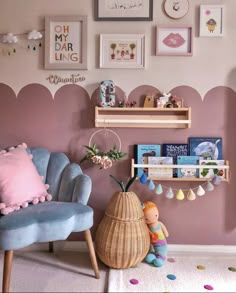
(172, 248)
(220, 249)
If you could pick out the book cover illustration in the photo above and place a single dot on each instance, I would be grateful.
(188, 172)
(160, 172)
(142, 152)
(210, 173)
(173, 150)
(209, 148)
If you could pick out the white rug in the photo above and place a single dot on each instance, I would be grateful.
(213, 275)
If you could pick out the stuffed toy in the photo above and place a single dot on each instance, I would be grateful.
(158, 234)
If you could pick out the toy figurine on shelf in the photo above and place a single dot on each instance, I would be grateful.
(169, 101)
(107, 93)
(126, 103)
(149, 102)
(158, 234)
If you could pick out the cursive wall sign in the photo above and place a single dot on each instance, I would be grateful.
(74, 78)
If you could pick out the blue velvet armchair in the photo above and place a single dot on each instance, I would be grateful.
(54, 220)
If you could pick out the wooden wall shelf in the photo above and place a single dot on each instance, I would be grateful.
(225, 167)
(143, 117)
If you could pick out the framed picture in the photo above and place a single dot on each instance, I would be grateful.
(122, 50)
(129, 10)
(66, 42)
(211, 20)
(176, 41)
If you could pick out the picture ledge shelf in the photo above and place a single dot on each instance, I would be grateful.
(141, 117)
(225, 167)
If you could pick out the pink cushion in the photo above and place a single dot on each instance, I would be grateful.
(20, 182)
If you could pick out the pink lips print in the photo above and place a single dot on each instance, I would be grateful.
(174, 40)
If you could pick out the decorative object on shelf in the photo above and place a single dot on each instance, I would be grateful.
(169, 101)
(66, 42)
(211, 20)
(158, 234)
(122, 237)
(174, 41)
(176, 8)
(107, 93)
(149, 102)
(122, 51)
(103, 159)
(126, 10)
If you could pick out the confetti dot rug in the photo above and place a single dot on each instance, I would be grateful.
(180, 273)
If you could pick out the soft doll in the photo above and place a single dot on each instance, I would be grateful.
(158, 234)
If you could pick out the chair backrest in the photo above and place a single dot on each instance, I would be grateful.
(57, 171)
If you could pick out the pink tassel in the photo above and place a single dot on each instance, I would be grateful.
(42, 198)
(2, 205)
(35, 201)
(25, 205)
(49, 197)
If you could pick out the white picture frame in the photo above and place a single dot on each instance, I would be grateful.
(174, 41)
(124, 10)
(211, 20)
(65, 42)
(122, 51)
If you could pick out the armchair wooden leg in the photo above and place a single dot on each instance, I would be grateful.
(92, 254)
(51, 248)
(8, 256)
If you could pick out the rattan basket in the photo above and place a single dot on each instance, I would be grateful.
(122, 238)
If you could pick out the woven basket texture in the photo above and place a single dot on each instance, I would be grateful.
(122, 238)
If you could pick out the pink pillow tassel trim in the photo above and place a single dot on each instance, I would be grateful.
(20, 183)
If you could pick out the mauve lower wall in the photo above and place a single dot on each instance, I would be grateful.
(61, 118)
(61, 124)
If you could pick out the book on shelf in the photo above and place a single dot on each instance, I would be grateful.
(160, 172)
(141, 154)
(186, 172)
(209, 148)
(210, 173)
(173, 150)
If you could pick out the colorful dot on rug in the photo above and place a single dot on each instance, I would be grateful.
(170, 259)
(208, 287)
(171, 277)
(134, 281)
(232, 269)
(200, 267)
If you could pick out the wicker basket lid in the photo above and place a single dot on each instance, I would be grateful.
(125, 206)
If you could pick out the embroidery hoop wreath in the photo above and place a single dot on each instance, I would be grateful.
(102, 159)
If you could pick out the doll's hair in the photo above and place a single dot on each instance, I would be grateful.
(148, 205)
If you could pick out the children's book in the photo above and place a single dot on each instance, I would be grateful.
(209, 148)
(188, 172)
(173, 150)
(141, 154)
(210, 173)
(160, 172)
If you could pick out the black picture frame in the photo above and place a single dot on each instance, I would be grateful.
(126, 17)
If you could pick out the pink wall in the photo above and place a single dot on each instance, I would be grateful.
(65, 122)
